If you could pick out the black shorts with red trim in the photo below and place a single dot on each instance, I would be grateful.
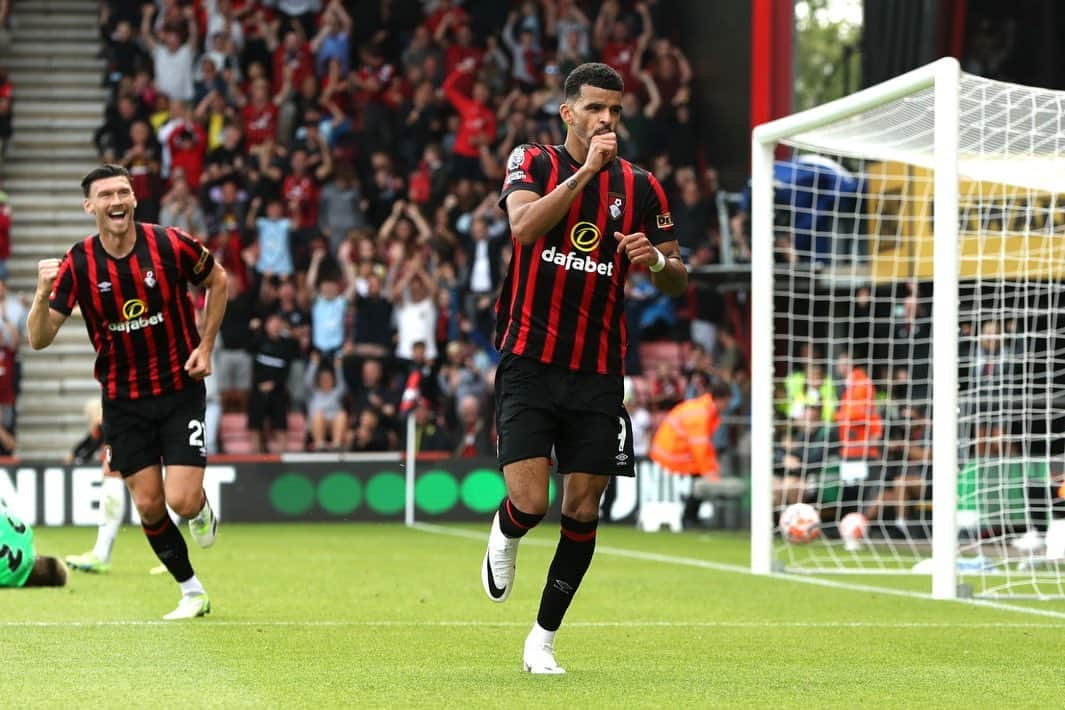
(580, 415)
(168, 429)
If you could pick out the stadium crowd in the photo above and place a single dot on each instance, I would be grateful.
(343, 162)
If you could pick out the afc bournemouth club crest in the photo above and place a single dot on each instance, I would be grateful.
(149, 277)
(616, 205)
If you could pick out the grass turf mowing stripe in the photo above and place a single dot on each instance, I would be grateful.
(738, 569)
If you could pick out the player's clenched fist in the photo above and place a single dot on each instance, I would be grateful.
(637, 247)
(601, 150)
(47, 270)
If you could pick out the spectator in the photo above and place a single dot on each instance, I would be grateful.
(478, 123)
(274, 238)
(272, 353)
(329, 307)
(612, 36)
(412, 294)
(332, 40)
(374, 391)
(340, 208)
(143, 160)
(113, 139)
(181, 209)
(260, 112)
(474, 436)
(172, 57)
(325, 405)
(301, 188)
(299, 15)
(458, 379)
(370, 435)
(373, 322)
(570, 27)
(429, 433)
(526, 54)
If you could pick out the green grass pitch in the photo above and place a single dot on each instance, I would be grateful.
(353, 615)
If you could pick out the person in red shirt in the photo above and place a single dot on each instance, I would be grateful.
(259, 113)
(613, 39)
(188, 147)
(447, 12)
(461, 49)
(292, 61)
(478, 123)
(302, 188)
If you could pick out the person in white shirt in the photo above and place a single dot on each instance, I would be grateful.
(415, 310)
(174, 61)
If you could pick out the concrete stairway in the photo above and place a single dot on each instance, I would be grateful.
(58, 105)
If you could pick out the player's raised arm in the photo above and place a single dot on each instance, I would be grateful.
(43, 321)
(532, 215)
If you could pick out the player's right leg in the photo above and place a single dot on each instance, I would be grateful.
(526, 426)
(518, 513)
(112, 511)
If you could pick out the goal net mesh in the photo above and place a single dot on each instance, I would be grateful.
(853, 390)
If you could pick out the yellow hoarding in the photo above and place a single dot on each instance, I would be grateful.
(1005, 231)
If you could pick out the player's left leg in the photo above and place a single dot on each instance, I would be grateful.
(576, 545)
(184, 451)
(185, 494)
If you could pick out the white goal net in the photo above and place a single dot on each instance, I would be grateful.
(910, 335)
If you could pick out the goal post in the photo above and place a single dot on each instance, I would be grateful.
(908, 358)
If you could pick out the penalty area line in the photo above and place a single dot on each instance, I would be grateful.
(738, 569)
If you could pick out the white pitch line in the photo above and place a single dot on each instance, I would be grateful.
(577, 624)
(738, 569)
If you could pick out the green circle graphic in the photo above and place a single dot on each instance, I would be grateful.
(386, 493)
(482, 490)
(339, 493)
(291, 494)
(436, 492)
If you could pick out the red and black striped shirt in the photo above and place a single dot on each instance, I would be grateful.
(137, 309)
(563, 300)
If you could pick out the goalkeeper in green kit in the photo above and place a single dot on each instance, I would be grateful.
(19, 564)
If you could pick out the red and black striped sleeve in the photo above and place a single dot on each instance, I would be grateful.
(64, 289)
(527, 169)
(194, 260)
(654, 213)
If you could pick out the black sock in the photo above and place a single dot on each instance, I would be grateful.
(515, 523)
(573, 555)
(170, 548)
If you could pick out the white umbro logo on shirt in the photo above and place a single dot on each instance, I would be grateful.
(104, 286)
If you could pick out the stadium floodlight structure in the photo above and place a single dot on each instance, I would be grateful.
(917, 229)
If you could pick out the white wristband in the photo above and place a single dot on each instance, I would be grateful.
(660, 264)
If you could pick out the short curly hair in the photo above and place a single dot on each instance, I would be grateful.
(594, 74)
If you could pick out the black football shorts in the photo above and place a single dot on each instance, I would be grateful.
(167, 429)
(540, 407)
